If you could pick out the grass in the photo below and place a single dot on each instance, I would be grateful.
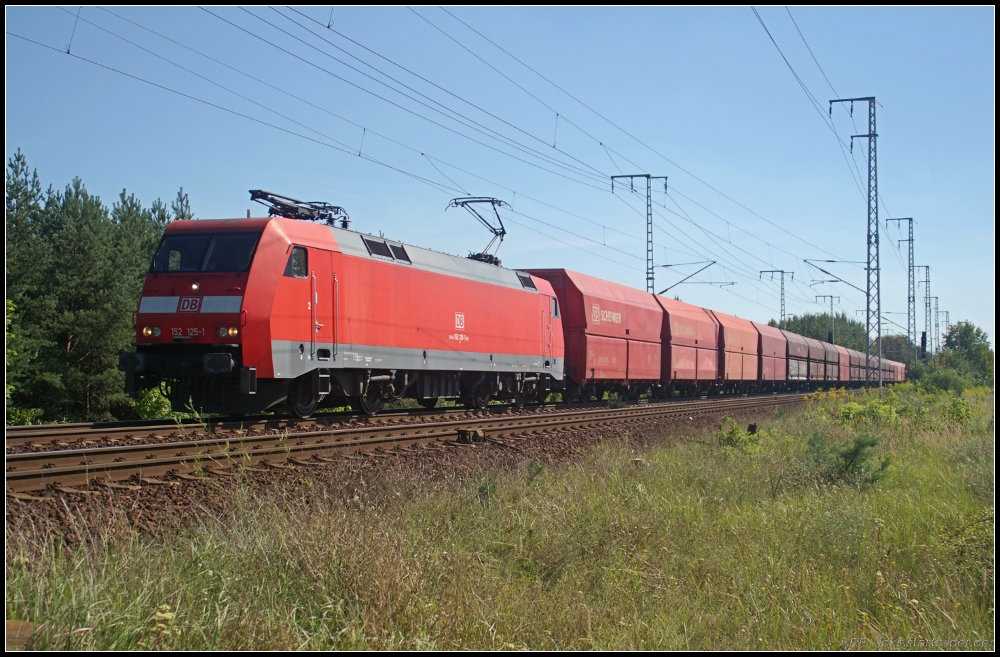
(718, 540)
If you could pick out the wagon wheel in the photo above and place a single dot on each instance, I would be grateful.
(301, 400)
(370, 403)
(428, 402)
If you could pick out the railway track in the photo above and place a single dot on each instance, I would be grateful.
(207, 453)
(56, 436)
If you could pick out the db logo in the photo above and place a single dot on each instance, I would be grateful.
(190, 304)
(459, 320)
(596, 313)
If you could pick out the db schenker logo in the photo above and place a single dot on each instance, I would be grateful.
(599, 315)
(460, 321)
(190, 304)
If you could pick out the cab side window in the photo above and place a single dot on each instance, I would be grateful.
(555, 307)
(298, 263)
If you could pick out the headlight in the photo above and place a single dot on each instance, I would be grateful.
(233, 332)
(151, 331)
(223, 332)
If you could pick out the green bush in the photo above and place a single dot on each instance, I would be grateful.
(959, 410)
(734, 436)
(873, 412)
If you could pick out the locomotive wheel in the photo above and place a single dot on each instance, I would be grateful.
(301, 402)
(479, 398)
(371, 403)
(428, 402)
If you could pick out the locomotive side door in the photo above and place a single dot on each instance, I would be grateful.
(551, 313)
(322, 306)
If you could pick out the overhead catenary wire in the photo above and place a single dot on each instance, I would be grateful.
(344, 149)
(341, 147)
(439, 87)
(395, 104)
(641, 142)
(706, 253)
(258, 80)
(431, 159)
(595, 173)
(836, 95)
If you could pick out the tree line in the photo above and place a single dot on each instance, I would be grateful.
(74, 273)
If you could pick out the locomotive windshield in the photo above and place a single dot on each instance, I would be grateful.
(205, 252)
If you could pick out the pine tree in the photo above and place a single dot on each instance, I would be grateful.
(74, 272)
(182, 206)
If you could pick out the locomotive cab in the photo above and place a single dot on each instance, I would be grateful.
(190, 320)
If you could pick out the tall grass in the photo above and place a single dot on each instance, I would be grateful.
(723, 539)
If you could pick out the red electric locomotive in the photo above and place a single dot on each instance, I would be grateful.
(245, 315)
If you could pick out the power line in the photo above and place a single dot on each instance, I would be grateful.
(594, 171)
(342, 148)
(430, 82)
(809, 95)
(393, 103)
(431, 159)
(811, 52)
(637, 140)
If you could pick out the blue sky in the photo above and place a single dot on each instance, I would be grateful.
(760, 177)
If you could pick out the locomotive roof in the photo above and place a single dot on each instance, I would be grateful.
(354, 243)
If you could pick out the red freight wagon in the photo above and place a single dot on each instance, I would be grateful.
(738, 341)
(857, 365)
(612, 331)
(798, 356)
(843, 364)
(832, 358)
(690, 338)
(888, 371)
(243, 315)
(817, 360)
(773, 348)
